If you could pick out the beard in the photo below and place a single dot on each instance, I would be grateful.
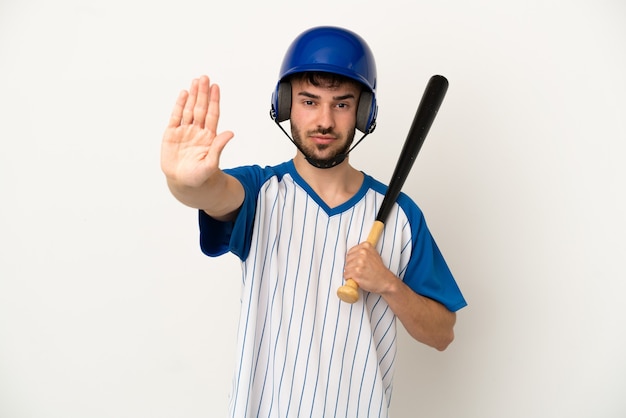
(317, 152)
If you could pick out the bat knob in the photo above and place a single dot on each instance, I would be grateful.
(349, 292)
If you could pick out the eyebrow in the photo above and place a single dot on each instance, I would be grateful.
(315, 96)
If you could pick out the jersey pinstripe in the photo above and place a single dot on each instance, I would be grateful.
(301, 352)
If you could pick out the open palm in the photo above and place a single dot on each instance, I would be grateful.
(191, 147)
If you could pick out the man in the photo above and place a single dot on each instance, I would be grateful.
(299, 229)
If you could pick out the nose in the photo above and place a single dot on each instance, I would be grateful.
(326, 118)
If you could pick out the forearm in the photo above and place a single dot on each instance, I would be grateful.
(425, 320)
(220, 196)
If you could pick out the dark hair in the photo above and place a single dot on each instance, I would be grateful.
(324, 79)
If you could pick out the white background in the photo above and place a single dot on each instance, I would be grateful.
(107, 306)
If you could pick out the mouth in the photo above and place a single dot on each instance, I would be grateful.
(322, 139)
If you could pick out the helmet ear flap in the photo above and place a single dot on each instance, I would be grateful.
(366, 112)
(281, 103)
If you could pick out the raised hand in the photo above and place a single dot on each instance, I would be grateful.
(191, 147)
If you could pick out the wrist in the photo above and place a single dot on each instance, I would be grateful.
(391, 286)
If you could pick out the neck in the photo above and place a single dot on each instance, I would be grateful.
(334, 185)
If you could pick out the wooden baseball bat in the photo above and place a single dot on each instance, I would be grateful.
(424, 116)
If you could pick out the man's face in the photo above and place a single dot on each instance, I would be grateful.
(323, 119)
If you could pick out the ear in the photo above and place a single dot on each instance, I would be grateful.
(366, 112)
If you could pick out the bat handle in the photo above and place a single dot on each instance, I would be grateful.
(349, 292)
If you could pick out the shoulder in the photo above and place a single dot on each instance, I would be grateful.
(255, 174)
(404, 201)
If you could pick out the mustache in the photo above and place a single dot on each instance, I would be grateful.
(321, 131)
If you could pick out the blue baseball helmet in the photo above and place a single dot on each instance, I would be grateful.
(332, 50)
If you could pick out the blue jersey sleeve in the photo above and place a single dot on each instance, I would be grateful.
(428, 273)
(217, 238)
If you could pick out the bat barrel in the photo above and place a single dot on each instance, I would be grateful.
(424, 116)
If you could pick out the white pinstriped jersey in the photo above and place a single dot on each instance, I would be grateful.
(302, 352)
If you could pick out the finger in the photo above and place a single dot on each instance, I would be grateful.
(218, 145)
(190, 103)
(213, 112)
(177, 112)
(200, 109)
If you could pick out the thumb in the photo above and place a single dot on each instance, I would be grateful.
(218, 145)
